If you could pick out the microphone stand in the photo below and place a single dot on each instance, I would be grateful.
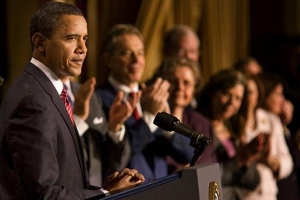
(170, 123)
(200, 144)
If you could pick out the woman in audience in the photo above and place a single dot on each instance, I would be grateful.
(221, 99)
(275, 103)
(274, 162)
(185, 79)
(250, 65)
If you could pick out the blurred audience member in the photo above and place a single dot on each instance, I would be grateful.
(275, 161)
(249, 65)
(222, 98)
(185, 79)
(181, 41)
(124, 55)
(275, 103)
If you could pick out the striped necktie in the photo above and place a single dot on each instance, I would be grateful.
(65, 99)
(70, 99)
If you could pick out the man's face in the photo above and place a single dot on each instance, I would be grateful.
(127, 62)
(188, 47)
(66, 50)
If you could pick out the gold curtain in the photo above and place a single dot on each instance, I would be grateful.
(225, 34)
(101, 16)
(93, 40)
(221, 24)
(151, 21)
(156, 17)
(18, 41)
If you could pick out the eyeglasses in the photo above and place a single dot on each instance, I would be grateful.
(183, 51)
(184, 83)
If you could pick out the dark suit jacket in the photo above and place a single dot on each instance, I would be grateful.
(104, 156)
(148, 150)
(41, 149)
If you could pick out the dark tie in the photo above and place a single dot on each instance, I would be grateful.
(64, 97)
(136, 113)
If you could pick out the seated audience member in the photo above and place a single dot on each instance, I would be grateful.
(40, 150)
(221, 99)
(105, 153)
(274, 102)
(124, 55)
(185, 79)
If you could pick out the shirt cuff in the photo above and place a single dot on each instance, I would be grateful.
(168, 134)
(81, 125)
(104, 191)
(117, 136)
(149, 118)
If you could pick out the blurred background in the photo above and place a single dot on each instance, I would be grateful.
(267, 30)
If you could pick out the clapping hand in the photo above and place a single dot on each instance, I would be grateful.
(121, 109)
(82, 98)
(155, 97)
(252, 151)
(287, 111)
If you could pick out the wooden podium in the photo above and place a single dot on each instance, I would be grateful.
(193, 183)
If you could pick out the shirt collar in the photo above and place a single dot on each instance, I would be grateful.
(57, 83)
(119, 86)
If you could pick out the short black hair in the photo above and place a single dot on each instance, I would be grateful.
(46, 20)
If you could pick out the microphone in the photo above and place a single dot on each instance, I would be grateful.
(168, 122)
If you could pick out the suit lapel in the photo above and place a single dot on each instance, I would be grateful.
(58, 103)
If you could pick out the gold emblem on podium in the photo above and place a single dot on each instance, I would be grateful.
(214, 191)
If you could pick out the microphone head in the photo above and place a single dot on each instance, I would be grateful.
(165, 121)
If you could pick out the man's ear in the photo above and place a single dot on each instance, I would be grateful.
(38, 41)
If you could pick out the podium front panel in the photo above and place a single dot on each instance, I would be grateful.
(197, 182)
